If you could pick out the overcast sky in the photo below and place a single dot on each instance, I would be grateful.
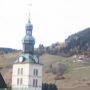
(53, 20)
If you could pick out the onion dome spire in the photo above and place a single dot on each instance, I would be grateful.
(28, 41)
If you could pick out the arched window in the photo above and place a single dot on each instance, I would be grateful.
(36, 82)
(36, 72)
(17, 81)
(33, 82)
(21, 81)
(21, 71)
(18, 71)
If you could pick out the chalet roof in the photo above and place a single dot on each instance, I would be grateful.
(2, 82)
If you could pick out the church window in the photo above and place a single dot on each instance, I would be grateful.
(36, 72)
(21, 71)
(33, 82)
(21, 81)
(18, 71)
(18, 81)
(36, 82)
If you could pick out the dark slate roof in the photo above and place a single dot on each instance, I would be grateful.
(2, 82)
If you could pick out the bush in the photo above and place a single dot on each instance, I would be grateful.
(60, 70)
(46, 86)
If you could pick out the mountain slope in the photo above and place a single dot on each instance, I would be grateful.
(77, 77)
(77, 43)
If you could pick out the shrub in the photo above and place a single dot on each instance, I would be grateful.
(46, 86)
(60, 70)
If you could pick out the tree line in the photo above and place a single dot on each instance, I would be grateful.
(74, 44)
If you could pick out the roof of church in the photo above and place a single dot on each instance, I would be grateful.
(28, 39)
(28, 47)
(29, 24)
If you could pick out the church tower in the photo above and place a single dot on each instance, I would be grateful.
(28, 41)
(27, 69)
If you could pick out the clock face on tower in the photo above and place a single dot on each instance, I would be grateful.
(36, 59)
(21, 59)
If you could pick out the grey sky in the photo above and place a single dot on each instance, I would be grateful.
(53, 20)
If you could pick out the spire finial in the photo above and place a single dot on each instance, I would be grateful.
(29, 10)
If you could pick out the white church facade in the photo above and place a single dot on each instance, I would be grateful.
(27, 69)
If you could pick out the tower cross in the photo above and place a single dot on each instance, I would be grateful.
(29, 11)
(30, 8)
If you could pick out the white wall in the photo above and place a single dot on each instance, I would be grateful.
(27, 76)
